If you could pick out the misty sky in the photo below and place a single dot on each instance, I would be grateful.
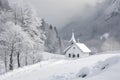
(59, 12)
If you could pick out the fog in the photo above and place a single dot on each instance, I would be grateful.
(60, 12)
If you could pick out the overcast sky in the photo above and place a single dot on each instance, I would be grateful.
(59, 12)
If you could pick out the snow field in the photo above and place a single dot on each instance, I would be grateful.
(78, 69)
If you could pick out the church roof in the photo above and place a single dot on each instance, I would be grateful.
(83, 47)
(67, 49)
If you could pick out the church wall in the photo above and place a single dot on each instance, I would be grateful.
(75, 51)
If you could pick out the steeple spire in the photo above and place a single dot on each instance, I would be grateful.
(72, 40)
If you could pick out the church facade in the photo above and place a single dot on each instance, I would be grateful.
(76, 49)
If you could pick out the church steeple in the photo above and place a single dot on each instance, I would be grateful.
(72, 40)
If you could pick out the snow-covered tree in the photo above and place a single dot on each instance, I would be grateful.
(10, 37)
(53, 41)
(5, 16)
(23, 36)
(14, 38)
(4, 5)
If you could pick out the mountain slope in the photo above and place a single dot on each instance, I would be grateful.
(92, 67)
(101, 19)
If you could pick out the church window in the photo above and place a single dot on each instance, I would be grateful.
(73, 55)
(69, 55)
(78, 55)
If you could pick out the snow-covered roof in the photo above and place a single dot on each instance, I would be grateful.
(83, 47)
(67, 49)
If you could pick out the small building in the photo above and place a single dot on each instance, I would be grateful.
(76, 49)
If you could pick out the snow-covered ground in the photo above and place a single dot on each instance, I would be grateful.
(97, 67)
(49, 56)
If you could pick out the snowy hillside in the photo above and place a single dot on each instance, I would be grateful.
(97, 67)
(50, 56)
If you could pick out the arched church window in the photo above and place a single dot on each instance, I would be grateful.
(78, 55)
(69, 55)
(73, 55)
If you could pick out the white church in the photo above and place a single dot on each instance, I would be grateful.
(76, 49)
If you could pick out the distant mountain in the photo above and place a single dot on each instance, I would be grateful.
(101, 19)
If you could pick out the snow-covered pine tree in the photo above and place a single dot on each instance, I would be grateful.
(53, 41)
